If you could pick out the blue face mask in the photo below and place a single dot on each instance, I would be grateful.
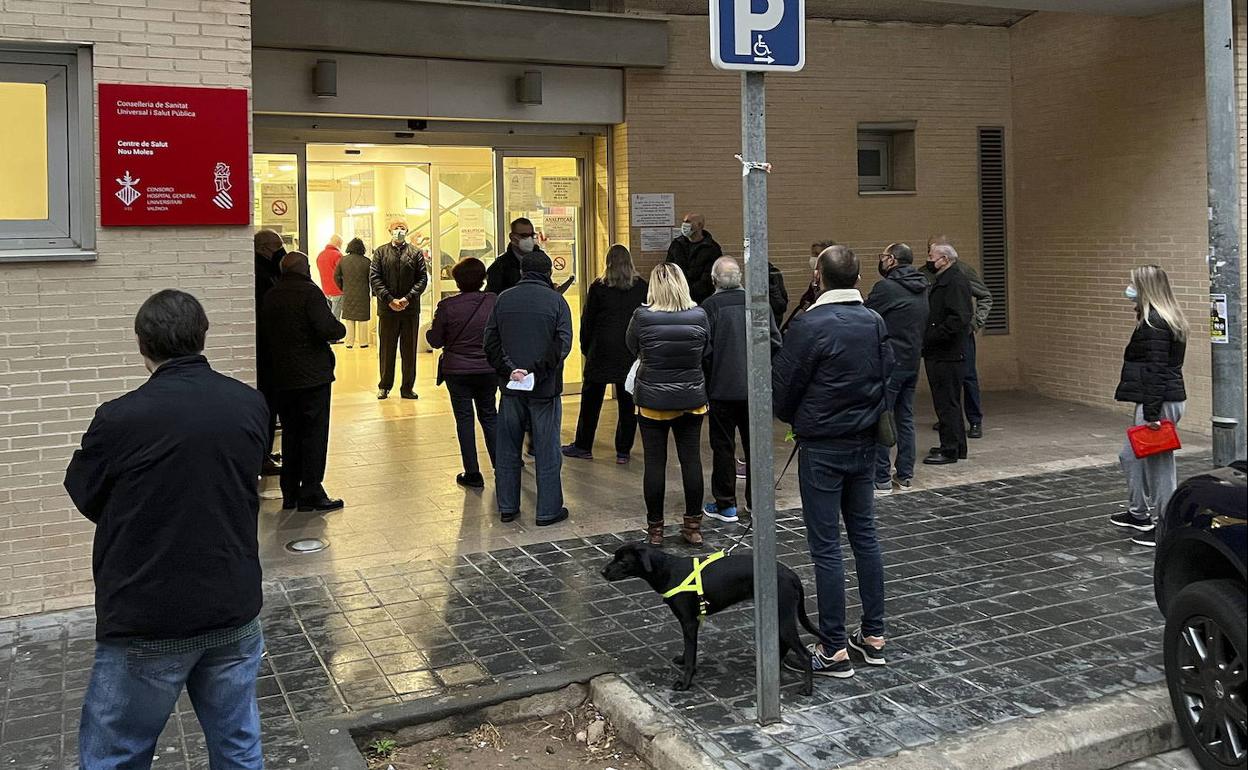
(1131, 293)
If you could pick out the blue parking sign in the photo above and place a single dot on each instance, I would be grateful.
(758, 35)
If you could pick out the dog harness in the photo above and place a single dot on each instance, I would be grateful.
(693, 583)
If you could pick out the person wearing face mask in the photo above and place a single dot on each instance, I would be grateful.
(1152, 380)
(812, 291)
(695, 252)
(944, 350)
(504, 272)
(901, 300)
(269, 252)
(398, 276)
(982, 299)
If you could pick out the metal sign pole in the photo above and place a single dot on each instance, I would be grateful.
(1227, 342)
(758, 357)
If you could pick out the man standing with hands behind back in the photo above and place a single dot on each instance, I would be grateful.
(398, 277)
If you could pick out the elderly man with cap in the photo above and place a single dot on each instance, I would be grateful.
(398, 277)
(300, 329)
(269, 252)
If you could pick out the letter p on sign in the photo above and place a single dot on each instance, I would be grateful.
(758, 35)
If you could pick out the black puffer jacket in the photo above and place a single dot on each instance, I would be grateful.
(604, 322)
(297, 328)
(1152, 367)
(671, 348)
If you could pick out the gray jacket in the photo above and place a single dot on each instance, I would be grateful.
(726, 371)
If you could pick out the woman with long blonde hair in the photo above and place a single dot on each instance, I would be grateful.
(1152, 380)
(670, 335)
(609, 305)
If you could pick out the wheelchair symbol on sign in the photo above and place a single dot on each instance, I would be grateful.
(762, 51)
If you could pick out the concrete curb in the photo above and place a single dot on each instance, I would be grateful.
(656, 738)
(1101, 735)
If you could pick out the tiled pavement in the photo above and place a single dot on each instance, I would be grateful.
(1005, 599)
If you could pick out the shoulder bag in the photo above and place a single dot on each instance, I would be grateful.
(449, 343)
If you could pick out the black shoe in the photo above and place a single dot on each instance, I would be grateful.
(975, 431)
(822, 665)
(410, 396)
(562, 515)
(939, 459)
(270, 468)
(383, 394)
(1128, 520)
(872, 655)
(509, 517)
(323, 505)
(473, 480)
(937, 451)
(1147, 539)
(288, 504)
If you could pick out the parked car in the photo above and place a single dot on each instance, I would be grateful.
(1202, 547)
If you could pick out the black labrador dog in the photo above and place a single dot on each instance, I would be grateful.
(724, 583)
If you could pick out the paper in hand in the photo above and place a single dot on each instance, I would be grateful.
(524, 383)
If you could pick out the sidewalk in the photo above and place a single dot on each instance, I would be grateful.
(1006, 598)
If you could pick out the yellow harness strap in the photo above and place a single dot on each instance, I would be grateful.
(693, 583)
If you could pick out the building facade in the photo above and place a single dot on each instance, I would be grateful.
(1056, 150)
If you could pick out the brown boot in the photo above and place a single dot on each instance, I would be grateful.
(654, 533)
(691, 530)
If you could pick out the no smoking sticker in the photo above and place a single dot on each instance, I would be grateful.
(279, 207)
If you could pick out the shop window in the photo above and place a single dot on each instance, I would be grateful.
(47, 203)
(886, 157)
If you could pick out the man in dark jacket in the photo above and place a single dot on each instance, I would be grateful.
(944, 350)
(528, 336)
(505, 271)
(829, 382)
(727, 386)
(695, 251)
(812, 291)
(777, 295)
(167, 473)
(398, 276)
(901, 300)
(301, 329)
(269, 252)
(982, 297)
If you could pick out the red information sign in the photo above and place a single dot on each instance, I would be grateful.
(173, 156)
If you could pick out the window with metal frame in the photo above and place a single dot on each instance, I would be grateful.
(47, 201)
(992, 227)
(886, 157)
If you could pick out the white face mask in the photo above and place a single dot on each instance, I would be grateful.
(1131, 293)
(526, 245)
(686, 229)
(399, 234)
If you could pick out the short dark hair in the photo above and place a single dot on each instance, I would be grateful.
(535, 262)
(355, 246)
(171, 324)
(469, 274)
(521, 221)
(838, 268)
(902, 253)
(821, 245)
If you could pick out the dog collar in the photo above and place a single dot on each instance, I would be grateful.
(693, 583)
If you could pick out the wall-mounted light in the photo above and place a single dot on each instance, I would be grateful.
(325, 78)
(529, 88)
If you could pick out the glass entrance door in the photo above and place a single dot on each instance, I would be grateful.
(550, 190)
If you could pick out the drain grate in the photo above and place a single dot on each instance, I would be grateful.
(307, 545)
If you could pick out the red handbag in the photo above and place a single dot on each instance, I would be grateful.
(1146, 442)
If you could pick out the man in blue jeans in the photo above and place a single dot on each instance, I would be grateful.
(168, 475)
(527, 337)
(829, 382)
(901, 300)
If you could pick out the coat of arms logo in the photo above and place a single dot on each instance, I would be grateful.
(127, 194)
(221, 178)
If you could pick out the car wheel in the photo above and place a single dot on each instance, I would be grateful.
(1205, 653)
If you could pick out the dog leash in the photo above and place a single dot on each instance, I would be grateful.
(741, 538)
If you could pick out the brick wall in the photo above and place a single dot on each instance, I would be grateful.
(1109, 173)
(684, 128)
(66, 335)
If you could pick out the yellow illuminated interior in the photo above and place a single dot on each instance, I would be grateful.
(24, 161)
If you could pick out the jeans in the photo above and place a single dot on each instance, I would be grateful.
(396, 333)
(592, 394)
(466, 391)
(305, 442)
(1150, 480)
(970, 386)
(132, 694)
(335, 306)
(900, 395)
(834, 477)
(515, 413)
(728, 418)
(687, 430)
(945, 380)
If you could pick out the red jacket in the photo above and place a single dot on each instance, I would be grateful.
(326, 262)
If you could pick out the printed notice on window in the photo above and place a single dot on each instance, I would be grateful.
(521, 189)
(653, 210)
(656, 238)
(471, 228)
(1219, 321)
(561, 191)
